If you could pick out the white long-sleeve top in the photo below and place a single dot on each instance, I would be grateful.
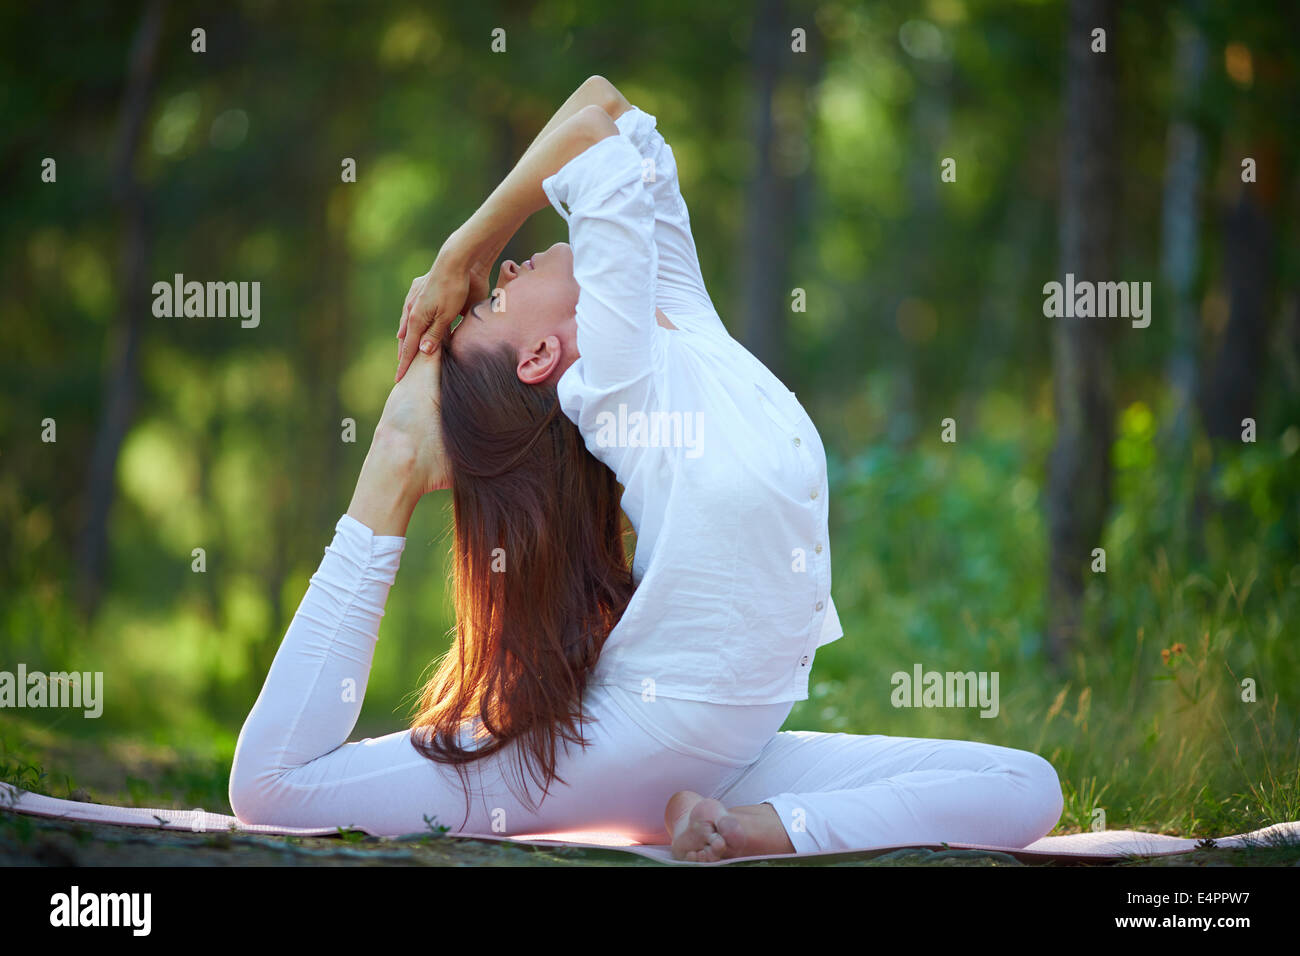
(724, 474)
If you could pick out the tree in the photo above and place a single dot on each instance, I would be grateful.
(120, 382)
(772, 197)
(1079, 471)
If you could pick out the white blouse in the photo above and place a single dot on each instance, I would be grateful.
(724, 475)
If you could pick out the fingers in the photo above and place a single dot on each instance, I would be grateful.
(417, 286)
(423, 372)
(431, 310)
(408, 348)
(433, 336)
(422, 335)
(425, 364)
(412, 344)
(404, 356)
(418, 314)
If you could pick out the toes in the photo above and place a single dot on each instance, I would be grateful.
(717, 848)
(711, 833)
(733, 834)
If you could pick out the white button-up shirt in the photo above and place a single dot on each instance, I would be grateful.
(724, 475)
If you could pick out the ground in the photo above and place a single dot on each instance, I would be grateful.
(130, 773)
(31, 841)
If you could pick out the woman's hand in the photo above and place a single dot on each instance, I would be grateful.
(456, 281)
(411, 424)
(407, 458)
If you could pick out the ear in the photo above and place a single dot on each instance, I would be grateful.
(537, 365)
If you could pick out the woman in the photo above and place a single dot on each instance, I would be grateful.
(634, 698)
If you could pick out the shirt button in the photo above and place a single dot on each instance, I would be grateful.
(796, 440)
(820, 605)
(804, 661)
(814, 495)
(818, 549)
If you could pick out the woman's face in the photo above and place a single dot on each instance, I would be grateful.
(531, 309)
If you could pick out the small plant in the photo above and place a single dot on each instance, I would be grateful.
(24, 776)
(349, 835)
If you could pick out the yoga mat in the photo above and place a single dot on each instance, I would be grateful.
(1103, 847)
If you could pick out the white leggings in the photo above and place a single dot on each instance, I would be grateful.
(294, 768)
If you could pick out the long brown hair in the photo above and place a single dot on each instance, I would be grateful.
(541, 572)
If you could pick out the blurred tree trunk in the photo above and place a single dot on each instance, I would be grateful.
(772, 195)
(1181, 257)
(118, 404)
(1181, 253)
(928, 123)
(1231, 382)
(1079, 470)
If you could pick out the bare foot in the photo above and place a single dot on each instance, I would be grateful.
(705, 831)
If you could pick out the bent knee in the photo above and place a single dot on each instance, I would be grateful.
(1045, 801)
(244, 799)
(253, 795)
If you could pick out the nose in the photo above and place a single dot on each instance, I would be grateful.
(509, 268)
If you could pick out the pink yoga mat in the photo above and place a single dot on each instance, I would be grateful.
(1105, 846)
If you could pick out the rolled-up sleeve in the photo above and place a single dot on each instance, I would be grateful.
(611, 231)
(680, 289)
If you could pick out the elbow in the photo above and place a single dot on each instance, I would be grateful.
(592, 124)
(601, 92)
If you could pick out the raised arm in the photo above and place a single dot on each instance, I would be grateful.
(594, 91)
(460, 272)
(680, 289)
(520, 194)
